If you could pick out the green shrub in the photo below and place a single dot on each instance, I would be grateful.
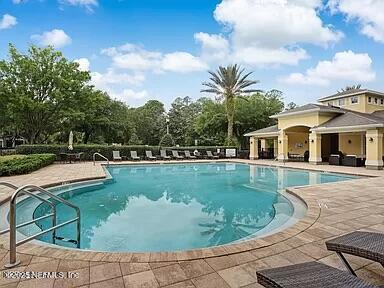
(105, 150)
(26, 164)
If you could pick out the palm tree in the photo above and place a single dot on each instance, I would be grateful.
(228, 83)
(348, 88)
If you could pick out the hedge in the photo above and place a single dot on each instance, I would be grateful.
(26, 164)
(105, 150)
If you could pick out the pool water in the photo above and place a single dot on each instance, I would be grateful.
(172, 207)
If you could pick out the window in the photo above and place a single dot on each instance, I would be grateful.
(382, 101)
(376, 101)
(369, 99)
(341, 102)
(354, 99)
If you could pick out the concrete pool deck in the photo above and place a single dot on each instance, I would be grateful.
(333, 209)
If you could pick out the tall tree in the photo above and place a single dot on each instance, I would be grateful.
(228, 83)
(182, 115)
(41, 89)
(290, 106)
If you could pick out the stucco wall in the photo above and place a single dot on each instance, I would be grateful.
(308, 120)
(354, 147)
(297, 139)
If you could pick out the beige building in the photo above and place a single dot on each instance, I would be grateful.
(344, 129)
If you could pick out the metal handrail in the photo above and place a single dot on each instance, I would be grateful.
(53, 207)
(100, 155)
(12, 221)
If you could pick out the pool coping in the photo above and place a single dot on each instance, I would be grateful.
(310, 218)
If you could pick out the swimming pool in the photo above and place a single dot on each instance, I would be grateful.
(172, 207)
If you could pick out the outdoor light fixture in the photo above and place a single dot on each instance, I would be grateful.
(349, 141)
(370, 139)
(312, 141)
(279, 141)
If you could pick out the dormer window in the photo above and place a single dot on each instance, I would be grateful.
(341, 102)
(354, 99)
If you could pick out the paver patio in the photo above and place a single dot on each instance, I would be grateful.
(333, 209)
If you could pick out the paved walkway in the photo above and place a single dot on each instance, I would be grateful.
(353, 205)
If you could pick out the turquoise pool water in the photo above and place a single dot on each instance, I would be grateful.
(176, 206)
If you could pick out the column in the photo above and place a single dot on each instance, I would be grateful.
(315, 148)
(275, 149)
(374, 144)
(253, 148)
(282, 149)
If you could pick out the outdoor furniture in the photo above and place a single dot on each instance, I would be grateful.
(309, 275)
(334, 159)
(188, 155)
(352, 161)
(295, 157)
(368, 245)
(149, 155)
(211, 156)
(163, 155)
(63, 157)
(78, 156)
(176, 155)
(116, 156)
(134, 156)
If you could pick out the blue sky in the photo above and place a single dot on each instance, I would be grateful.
(138, 50)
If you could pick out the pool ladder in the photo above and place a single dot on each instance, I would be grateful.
(29, 190)
(100, 155)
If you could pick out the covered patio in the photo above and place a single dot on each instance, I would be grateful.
(318, 134)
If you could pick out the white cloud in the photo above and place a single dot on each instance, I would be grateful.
(87, 4)
(57, 38)
(17, 1)
(182, 62)
(267, 32)
(128, 94)
(369, 13)
(105, 81)
(214, 47)
(7, 21)
(345, 65)
(83, 64)
(135, 58)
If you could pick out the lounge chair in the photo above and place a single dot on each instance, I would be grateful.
(78, 156)
(188, 155)
(368, 245)
(211, 156)
(134, 156)
(149, 155)
(163, 155)
(309, 275)
(116, 156)
(176, 155)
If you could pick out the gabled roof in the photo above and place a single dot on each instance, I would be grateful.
(309, 108)
(351, 93)
(353, 119)
(269, 131)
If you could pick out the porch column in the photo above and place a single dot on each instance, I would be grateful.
(263, 144)
(315, 148)
(253, 148)
(275, 149)
(282, 149)
(374, 144)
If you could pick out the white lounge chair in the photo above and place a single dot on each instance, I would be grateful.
(116, 156)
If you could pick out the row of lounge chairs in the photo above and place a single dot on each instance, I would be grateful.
(368, 245)
(163, 155)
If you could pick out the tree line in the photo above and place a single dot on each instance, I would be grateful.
(44, 96)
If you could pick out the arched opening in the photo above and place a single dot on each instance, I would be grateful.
(298, 143)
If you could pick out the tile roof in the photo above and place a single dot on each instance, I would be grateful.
(270, 129)
(310, 107)
(351, 92)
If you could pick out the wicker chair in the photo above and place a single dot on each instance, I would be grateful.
(309, 275)
(368, 245)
